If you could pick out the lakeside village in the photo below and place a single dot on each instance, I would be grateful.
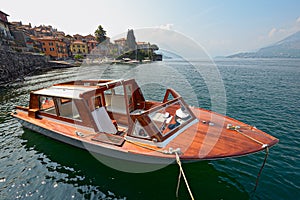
(57, 46)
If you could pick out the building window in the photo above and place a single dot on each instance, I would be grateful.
(44, 49)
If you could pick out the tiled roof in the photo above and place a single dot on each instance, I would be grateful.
(142, 43)
(47, 38)
(89, 35)
(78, 42)
(92, 41)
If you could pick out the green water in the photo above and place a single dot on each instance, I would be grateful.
(264, 93)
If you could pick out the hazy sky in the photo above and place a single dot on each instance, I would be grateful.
(222, 27)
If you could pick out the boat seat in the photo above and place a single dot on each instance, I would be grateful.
(103, 121)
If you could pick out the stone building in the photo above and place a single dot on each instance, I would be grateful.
(5, 35)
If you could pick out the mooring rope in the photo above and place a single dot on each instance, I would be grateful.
(178, 183)
(236, 128)
(181, 172)
(260, 171)
(170, 151)
(251, 138)
(185, 180)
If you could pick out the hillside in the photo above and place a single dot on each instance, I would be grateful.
(286, 48)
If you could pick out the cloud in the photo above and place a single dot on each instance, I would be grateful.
(272, 32)
(167, 26)
(276, 33)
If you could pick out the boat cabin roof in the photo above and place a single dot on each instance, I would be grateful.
(76, 89)
(64, 91)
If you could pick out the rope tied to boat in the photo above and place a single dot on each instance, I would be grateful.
(237, 129)
(170, 151)
(264, 146)
(260, 171)
(181, 172)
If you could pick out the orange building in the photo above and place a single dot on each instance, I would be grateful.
(89, 38)
(54, 47)
(91, 45)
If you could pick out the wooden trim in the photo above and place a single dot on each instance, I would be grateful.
(34, 102)
(22, 108)
(33, 113)
(63, 119)
(151, 128)
(82, 82)
(147, 124)
(56, 99)
(153, 109)
(86, 115)
(172, 92)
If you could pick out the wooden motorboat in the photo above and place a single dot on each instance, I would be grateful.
(112, 118)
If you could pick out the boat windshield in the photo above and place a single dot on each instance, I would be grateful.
(170, 117)
(161, 121)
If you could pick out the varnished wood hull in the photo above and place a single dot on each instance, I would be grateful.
(208, 139)
(97, 149)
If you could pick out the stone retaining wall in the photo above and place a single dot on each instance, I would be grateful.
(15, 66)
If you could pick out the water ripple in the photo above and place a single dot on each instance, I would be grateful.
(260, 92)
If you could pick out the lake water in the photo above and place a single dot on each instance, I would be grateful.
(260, 92)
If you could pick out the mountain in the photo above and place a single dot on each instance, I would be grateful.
(286, 48)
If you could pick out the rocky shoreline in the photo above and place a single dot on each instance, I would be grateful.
(15, 66)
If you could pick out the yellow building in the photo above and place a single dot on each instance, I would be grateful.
(79, 47)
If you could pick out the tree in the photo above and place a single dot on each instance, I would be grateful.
(78, 57)
(154, 47)
(100, 34)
